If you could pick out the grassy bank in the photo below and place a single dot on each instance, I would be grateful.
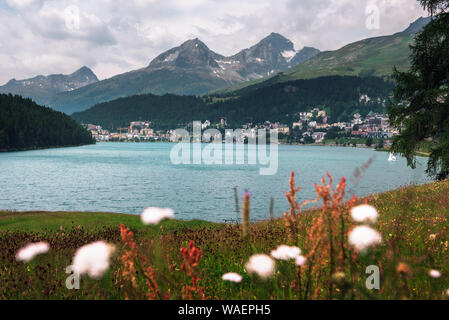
(413, 222)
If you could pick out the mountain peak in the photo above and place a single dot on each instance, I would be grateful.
(192, 53)
(85, 72)
(418, 25)
(84, 69)
(194, 42)
(275, 35)
(303, 55)
(278, 41)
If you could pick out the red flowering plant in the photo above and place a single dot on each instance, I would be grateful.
(192, 256)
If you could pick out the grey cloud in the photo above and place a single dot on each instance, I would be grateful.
(120, 35)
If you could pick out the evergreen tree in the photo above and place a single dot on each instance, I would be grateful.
(26, 125)
(420, 104)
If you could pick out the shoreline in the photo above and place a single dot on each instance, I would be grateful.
(12, 212)
(113, 216)
(44, 148)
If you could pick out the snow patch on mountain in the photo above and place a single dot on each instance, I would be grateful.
(288, 55)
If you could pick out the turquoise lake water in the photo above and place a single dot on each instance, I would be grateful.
(128, 177)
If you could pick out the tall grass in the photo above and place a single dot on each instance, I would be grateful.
(188, 263)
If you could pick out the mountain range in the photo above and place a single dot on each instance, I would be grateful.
(193, 69)
(189, 69)
(369, 57)
(42, 88)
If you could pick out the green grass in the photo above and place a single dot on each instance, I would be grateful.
(374, 56)
(408, 217)
(91, 221)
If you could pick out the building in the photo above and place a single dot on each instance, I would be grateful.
(205, 125)
(284, 129)
(318, 136)
(297, 125)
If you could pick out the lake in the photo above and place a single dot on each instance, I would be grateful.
(128, 177)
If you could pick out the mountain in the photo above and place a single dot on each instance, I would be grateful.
(303, 55)
(271, 55)
(26, 125)
(369, 57)
(41, 88)
(417, 25)
(341, 97)
(189, 69)
(373, 56)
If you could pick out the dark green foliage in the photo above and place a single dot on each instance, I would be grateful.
(434, 6)
(166, 112)
(26, 125)
(339, 96)
(421, 99)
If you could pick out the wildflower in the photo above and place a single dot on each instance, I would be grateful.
(155, 215)
(432, 237)
(339, 278)
(260, 264)
(192, 256)
(232, 277)
(364, 213)
(363, 237)
(93, 259)
(129, 256)
(403, 269)
(284, 252)
(300, 260)
(245, 213)
(28, 252)
(434, 274)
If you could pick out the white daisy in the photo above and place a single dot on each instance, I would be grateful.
(284, 252)
(155, 215)
(364, 213)
(434, 274)
(300, 260)
(28, 252)
(260, 264)
(363, 237)
(232, 277)
(93, 259)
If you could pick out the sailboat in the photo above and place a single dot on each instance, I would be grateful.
(392, 157)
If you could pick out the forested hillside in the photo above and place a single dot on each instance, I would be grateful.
(26, 125)
(340, 96)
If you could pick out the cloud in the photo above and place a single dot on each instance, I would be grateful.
(22, 4)
(115, 36)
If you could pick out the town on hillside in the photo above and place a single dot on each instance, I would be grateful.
(311, 127)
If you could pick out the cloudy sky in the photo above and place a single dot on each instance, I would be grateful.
(115, 36)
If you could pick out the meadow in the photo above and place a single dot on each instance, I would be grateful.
(187, 259)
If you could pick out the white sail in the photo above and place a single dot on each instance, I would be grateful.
(392, 157)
